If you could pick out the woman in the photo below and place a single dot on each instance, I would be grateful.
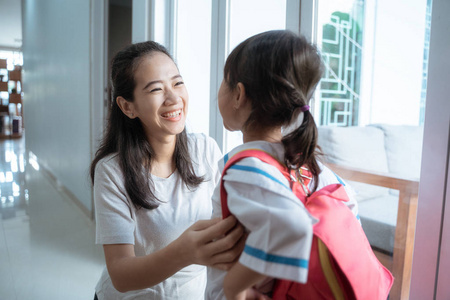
(153, 183)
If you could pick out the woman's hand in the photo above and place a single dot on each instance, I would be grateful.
(214, 242)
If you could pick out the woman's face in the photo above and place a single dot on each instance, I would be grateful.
(160, 96)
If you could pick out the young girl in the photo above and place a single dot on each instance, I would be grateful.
(268, 82)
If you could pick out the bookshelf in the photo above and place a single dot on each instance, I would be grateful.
(11, 122)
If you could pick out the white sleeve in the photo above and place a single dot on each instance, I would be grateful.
(113, 217)
(280, 228)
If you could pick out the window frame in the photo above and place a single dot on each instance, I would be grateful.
(220, 26)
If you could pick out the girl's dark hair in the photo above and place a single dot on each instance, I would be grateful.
(279, 71)
(126, 137)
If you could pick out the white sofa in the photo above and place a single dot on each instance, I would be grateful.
(391, 149)
(388, 156)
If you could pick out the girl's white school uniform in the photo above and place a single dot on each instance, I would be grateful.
(279, 226)
(119, 222)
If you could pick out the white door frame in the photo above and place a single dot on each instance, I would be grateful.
(98, 72)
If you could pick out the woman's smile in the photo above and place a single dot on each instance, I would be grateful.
(174, 115)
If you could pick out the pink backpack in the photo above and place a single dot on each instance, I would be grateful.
(342, 264)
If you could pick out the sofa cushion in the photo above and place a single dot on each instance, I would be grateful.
(379, 219)
(357, 147)
(403, 150)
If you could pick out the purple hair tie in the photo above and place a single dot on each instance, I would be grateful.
(305, 108)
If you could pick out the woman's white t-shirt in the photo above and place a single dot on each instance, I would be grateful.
(119, 222)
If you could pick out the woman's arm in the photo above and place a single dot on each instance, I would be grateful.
(238, 279)
(203, 243)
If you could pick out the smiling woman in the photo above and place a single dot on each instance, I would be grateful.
(153, 184)
(160, 98)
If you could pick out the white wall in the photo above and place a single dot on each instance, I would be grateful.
(398, 61)
(57, 90)
(11, 25)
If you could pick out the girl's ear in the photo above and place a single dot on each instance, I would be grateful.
(240, 99)
(126, 107)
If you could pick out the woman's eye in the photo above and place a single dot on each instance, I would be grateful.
(179, 83)
(155, 90)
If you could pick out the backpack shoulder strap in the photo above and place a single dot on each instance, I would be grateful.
(261, 155)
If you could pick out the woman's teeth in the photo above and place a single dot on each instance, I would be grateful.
(172, 114)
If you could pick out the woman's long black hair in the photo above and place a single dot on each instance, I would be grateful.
(126, 137)
(280, 71)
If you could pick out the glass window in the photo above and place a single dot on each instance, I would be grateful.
(340, 37)
(193, 56)
(247, 18)
(370, 110)
(375, 65)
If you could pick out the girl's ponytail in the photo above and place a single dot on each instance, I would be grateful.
(300, 147)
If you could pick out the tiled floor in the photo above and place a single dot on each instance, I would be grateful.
(47, 248)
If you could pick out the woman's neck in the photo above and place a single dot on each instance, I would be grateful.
(272, 135)
(163, 162)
